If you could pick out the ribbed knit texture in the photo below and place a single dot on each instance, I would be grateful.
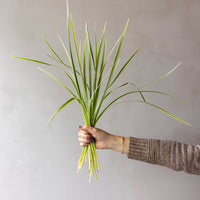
(171, 154)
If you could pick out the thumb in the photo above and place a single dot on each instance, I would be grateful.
(89, 129)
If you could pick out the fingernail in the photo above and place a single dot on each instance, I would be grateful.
(79, 126)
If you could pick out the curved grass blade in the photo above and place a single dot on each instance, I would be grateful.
(89, 45)
(162, 76)
(52, 49)
(46, 54)
(89, 61)
(65, 49)
(61, 107)
(157, 92)
(32, 60)
(159, 108)
(58, 82)
(177, 99)
(95, 39)
(101, 43)
(40, 62)
(113, 48)
(106, 108)
(124, 66)
(57, 60)
(72, 60)
(167, 113)
(117, 55)
(98, 53)
(85, 76)
(51, 66)
(97, 90)
(79, 64)
(112, 69)
(75, 44)
(79, 100)
(80, 50)
(125, 85)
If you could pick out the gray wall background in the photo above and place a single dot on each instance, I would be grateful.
(39, 161)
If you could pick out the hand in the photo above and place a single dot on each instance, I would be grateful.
(102, 139)
(88, 134)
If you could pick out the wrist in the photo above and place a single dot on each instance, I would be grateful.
(114, 142)
(118, 143)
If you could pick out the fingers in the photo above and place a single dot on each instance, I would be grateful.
(85, 135)
(88, 129)
(85, 138)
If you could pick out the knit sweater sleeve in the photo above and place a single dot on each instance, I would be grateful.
(171, 154)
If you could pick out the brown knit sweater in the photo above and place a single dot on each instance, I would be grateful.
(166, 153)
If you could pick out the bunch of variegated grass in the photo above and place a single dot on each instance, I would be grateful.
(87, 81)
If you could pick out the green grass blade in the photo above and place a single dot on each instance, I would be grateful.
(84, 82)
(48, 65)
(124, 66)
(95, 94)
(61, 107)
(112, 69)
(75, 44)
(156, 92)
(117, 55)
(100, 45)
(37, 61)
(46, 54)
(177, 99)
(65, 49)
(98, 53)
(58, 82)
(116, 99)
(167, 113)
(71, 56)
(80, 50)
(90, 46)
(49, 46)
(89, 61)
(125, 84)
(32, 60)
(161, 109)
(96, 64)
(78, 99)
(113, 48)
(95, 39)
(84, 75)
(168, 73)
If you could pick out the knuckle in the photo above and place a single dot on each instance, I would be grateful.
(83, 132)
(85, 127)
(88, 137)
(93, 130)
(79, 133)
(87, 141)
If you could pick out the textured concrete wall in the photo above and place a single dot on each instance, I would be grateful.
(39, 162)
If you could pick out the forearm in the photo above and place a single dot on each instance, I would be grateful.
(171, 154)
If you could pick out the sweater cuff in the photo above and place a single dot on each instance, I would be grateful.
(138, 149)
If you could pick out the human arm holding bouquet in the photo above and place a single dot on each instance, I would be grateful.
(171, 154)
